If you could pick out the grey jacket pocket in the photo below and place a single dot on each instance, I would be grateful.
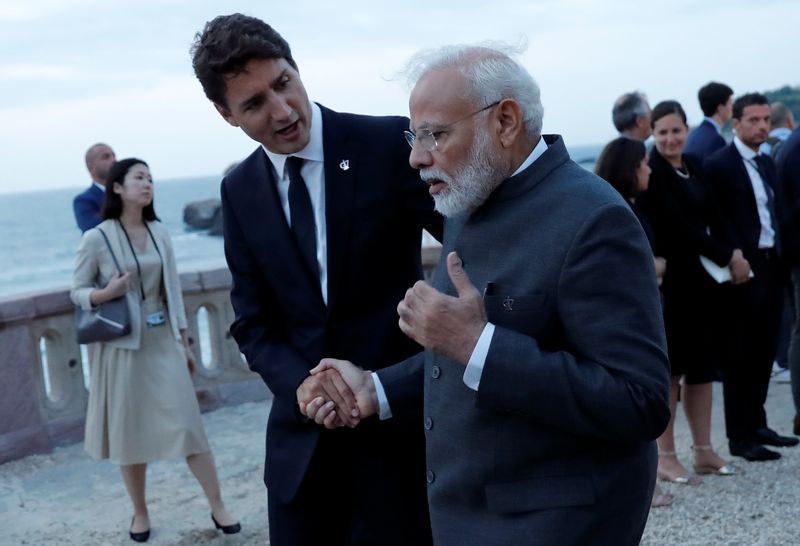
(520, 313)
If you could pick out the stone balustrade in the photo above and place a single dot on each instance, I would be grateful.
(44, 385)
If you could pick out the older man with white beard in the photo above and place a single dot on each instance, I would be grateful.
(544, 379)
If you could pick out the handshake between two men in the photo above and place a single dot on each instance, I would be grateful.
(338, 393)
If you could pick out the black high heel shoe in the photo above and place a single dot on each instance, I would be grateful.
(138, 537)
(227, 529)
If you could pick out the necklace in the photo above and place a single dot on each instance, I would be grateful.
(680, 172)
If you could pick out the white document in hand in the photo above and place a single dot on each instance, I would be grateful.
(719, 274)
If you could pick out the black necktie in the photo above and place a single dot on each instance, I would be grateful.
(302, 214)
(760, 163)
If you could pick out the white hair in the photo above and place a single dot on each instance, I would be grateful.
(471, 185)
(492, 75)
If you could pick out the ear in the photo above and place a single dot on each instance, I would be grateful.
(509, 121)
(226, 114)
(116, 187)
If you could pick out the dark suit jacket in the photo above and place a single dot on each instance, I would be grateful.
(557, 443)
(703, 141)
(87, 206)
(738, 224)
(789, 176)
(375, 211)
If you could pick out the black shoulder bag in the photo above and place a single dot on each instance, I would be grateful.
(109, 320)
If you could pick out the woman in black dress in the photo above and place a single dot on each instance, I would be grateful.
(678, 206)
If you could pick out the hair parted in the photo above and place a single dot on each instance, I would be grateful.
(112, 204)
(225, 46)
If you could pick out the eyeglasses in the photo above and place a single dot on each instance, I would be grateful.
(428, 139)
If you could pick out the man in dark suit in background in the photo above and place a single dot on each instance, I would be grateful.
(87, 204)
(322, 226)
(543, 391)
(716, 102)
(745, 187)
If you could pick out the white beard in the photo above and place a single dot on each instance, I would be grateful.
(471, 185)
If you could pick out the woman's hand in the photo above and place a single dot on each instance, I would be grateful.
(191, 361)
(116, 287)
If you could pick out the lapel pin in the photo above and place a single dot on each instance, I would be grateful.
(508, 304)
(345, 164)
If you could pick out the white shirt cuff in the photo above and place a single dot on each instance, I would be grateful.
(472, 375)
(384, 411)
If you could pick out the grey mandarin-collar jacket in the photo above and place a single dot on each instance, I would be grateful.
(556, 446)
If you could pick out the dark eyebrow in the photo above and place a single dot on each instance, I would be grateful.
(281, 76)
(258, 97)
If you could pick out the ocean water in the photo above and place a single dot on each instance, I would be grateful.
(38, 234)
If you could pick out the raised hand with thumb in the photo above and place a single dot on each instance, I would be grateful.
(449, 325)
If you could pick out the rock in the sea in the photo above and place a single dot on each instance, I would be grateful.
(202, 214)
(216, 224)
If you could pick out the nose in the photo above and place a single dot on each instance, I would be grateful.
(420, 158)
(279, 108)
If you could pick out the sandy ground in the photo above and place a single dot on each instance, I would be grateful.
(66, 498)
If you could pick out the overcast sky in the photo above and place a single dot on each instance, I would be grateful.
(74, 72)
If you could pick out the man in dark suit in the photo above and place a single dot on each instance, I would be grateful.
(543, 391)
(716, 101)
(322, 226)
(745, 188)
(88, 204)
(789, 175)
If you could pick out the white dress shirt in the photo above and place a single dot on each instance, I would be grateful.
(100, 186)
(477, 360)
(767, 237)
(313, 173)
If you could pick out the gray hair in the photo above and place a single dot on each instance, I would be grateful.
(627, 108)
(492, 75)
(779, 115)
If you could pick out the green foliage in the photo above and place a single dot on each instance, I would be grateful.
(790, 96)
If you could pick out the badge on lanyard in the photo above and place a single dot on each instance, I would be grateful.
(156, 319)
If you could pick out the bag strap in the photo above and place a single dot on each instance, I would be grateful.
(113, 257)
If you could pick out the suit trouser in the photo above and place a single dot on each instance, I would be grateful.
(753, 319)
(356, 492)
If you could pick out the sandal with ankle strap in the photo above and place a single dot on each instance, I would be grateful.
(705, 469)
(684, 479)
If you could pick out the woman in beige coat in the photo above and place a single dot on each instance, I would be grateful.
(142, 404)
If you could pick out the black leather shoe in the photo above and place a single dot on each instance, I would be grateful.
(227, 529)
(752, 451)
(769, 437)
(138, 537)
